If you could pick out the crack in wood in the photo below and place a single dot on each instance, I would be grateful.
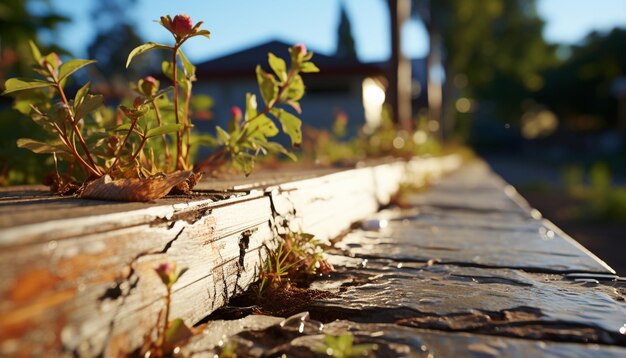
(190, 216)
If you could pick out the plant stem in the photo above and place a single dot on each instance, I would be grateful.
(179, 135)
(119, 151)
(187, 126)
(168, 156)
(161, 343)
(93, 167)
(272, 104)
(139, 149)
(72, 149)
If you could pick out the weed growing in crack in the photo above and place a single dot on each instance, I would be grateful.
(343, 346)
(298, 258)
(169, 333)
(144, 150)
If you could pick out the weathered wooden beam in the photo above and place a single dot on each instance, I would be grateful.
(78, 278)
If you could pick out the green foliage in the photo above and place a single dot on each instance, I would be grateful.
(606, 202)
(250, 136)
(342, 346)
(276, 269)
(174, 332)
(298, 258)
(496, 47)
(83, 133)
(334, 148)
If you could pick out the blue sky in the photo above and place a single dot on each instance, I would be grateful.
(315, 23)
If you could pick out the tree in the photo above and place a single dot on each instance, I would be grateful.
(19, 26)
(345, 40)
(582, 86)
(496, 46)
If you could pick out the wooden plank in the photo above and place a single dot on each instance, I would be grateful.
(77, 276)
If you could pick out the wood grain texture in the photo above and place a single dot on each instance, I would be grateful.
(77, 276)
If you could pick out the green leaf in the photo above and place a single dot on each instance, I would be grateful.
(278, 65)
(295, 91)
(143, 49)
(40, 147)
(190, 69)
(168, 69)
(267, 85)
(164, 129)
(295, 105)
(20, 84)
(308, 67)
(244, 162)
(261, 125)
(274, 147)
(251, 106)
(89, 104)
(81, 93)
(24, 100)
(205, 33)
(223, 135)
(291, 125)
(177, 333)
(35, 51)
(72, 66)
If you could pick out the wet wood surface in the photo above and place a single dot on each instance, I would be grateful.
(466, 269)
(77, 275)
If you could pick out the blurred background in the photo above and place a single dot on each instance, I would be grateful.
(537, 88)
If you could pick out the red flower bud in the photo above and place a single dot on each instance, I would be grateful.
(182, 25)
(301, 48)
(165, 270)
(236, 113)
(137, 102)
(149, 85)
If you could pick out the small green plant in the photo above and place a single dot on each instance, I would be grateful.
(276, 270)
(343, 346)
(299, 257)
(143, 150)
(169, 333)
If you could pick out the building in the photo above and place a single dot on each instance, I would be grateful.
(343, 84)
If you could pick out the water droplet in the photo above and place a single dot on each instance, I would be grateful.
(329, 351)
(622, 329)
(546, 234)
(176, 350)
(400, 265)
(424, 348)
(302, 323)
(364, 262)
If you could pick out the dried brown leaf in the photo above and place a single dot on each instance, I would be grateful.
(105, 188)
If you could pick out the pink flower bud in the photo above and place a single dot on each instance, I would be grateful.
(236, 113)
(149, 85)
(301, 48)
(166, 272)
(165, 268)
(182, 25)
